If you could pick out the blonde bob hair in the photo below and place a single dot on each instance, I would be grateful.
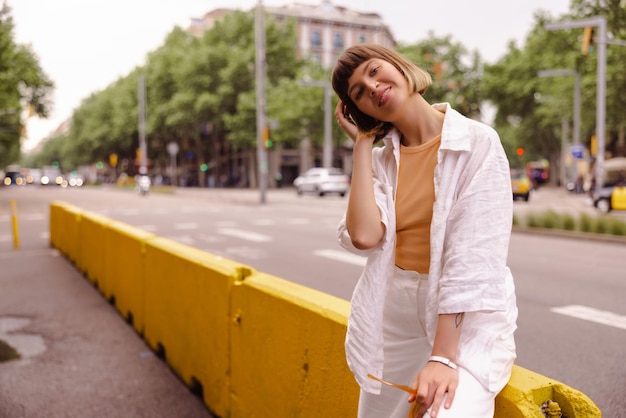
(417, 78)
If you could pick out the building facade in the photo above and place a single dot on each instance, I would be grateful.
(323, 30)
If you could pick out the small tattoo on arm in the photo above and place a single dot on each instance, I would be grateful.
(458, 319)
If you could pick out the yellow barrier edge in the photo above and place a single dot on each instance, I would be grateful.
(527, 390)
(287, 351)
(187, 313)
(124, 271)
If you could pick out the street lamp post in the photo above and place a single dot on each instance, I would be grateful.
(261, 116)
(600, 22)
(327, 158)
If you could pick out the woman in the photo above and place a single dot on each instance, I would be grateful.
(432, 211)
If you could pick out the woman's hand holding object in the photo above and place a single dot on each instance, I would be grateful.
(434, 382)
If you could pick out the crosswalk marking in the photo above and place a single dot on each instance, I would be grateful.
(594, 315)
(247, 235)
(342, 256)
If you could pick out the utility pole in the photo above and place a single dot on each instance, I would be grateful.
(600, 23)
(327, 157)
(261, 116)
(143, 147)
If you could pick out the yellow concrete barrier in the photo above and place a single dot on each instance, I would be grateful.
(91, 255)
(526, 391)
(124, 271)
(251, 343)
(187, 315)
(64, 226)
(287, 352)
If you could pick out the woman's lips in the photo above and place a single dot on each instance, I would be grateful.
(383, 98)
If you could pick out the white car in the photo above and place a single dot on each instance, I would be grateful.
(322, 181)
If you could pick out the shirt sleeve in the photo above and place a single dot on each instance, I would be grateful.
(478, 230)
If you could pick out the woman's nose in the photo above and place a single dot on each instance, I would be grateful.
(373, 88)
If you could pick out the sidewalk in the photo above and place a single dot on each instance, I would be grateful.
(79, 357)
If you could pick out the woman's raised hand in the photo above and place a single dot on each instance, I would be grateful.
(344, 122)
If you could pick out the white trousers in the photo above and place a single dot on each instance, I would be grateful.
(406, 351)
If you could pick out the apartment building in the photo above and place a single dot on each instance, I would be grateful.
(323, 30)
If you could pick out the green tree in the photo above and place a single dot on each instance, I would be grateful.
(457, 73)
(530, 109)
(24, 89)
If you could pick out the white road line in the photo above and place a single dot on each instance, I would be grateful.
(186, 226)
(342, 256)
(148, 228)
(594, 315)
(264, 222)
(247, 235)
(225, 224)
(130, 212)
(298, 221)
(24, 217)
(184, 239)
(31, 217)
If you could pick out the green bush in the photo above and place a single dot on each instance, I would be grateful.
(586, 223)
(602, 225)
(549, 220)
(532, 221)
(618, 227)
(568, 222)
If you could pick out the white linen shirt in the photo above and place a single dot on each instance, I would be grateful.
(470, 231)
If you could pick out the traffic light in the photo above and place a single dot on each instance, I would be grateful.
(587, 40)
(519, 151)
(267, 141)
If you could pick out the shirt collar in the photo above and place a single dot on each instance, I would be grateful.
(454, 134)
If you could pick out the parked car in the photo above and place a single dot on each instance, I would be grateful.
(608, 198)
(521, 185)
(612, 194)
(322, 181)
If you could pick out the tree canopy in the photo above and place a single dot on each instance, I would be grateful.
(24, 89)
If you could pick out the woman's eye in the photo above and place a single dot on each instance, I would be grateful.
(375, 70)
(358, 94)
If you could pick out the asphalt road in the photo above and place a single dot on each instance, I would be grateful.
(571, 292)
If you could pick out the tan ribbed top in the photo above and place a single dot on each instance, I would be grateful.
(415, 197)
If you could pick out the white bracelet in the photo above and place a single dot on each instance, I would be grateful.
(443, 360)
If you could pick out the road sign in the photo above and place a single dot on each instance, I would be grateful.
(577, 151)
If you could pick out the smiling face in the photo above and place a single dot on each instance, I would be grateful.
(378, 89)
(348, 71)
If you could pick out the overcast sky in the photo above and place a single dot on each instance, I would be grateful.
(84, 45)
